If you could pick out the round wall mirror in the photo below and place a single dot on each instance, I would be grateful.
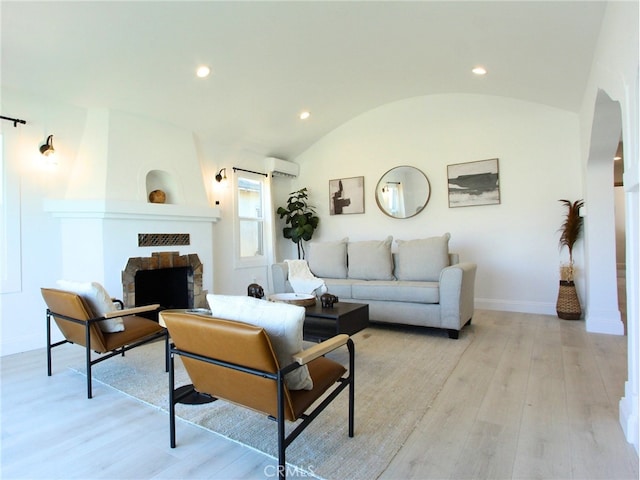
(403, 192)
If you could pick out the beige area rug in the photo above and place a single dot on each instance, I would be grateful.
(399, 372)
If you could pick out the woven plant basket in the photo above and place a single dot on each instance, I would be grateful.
(568, 305)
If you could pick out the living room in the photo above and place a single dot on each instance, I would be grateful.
(545, 153)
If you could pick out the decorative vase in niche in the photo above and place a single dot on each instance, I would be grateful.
(157, 196)
(568, 304)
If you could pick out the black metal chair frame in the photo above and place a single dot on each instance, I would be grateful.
(283, 441)
(103, 357)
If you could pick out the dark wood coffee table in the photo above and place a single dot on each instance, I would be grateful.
(322, 323)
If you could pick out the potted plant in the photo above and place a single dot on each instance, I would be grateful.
(568, 304)
(301, 219)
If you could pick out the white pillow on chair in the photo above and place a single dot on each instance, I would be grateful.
(98, 300)
(283, 323)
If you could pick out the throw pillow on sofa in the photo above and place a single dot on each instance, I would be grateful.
(328, 259)
(422, 259)
(282, 322)
(370, 260)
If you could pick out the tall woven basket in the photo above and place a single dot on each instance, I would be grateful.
(568, 305)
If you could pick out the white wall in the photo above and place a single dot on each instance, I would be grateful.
(515, 244)
(37, 261)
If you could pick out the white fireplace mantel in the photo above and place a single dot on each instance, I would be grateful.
(114, 209)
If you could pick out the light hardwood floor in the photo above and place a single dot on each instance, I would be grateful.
(533, 397)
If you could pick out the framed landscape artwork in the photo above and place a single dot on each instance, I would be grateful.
(474, 183)
(346, 195)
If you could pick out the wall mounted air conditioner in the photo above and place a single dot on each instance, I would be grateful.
(282, 168)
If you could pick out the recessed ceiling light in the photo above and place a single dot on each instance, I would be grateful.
(304, 115)
(479, 70)
(203, 71)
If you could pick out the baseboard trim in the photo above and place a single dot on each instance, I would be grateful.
(604, 321)
(539, 308)
(629, 417)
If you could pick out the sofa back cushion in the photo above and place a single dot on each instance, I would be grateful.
(422, 259)
(328, 259)
(370, 260)
(283, 323)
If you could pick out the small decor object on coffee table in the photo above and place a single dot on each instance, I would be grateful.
(327, 300)
(300, 299)
(255, 290)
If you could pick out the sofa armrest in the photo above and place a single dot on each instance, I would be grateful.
(279, 275)
(280, 278)
(457, 295)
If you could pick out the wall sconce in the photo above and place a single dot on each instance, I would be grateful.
(48, 151)
(222, 175)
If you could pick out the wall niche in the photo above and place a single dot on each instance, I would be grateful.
(164, 182)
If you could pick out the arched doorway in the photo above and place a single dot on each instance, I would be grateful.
(602, 311)
(621, 231)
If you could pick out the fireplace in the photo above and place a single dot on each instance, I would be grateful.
(170, 287)
(167, 278)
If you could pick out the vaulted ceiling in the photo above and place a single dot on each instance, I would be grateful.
(272, 60)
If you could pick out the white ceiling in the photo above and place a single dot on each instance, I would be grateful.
(271, 60)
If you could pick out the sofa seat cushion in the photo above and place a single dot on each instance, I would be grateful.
(339, 287)
(398, 291)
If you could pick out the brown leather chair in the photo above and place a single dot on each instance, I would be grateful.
(235, 361)
(77, 323)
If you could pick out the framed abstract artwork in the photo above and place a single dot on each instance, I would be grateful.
(346, 195)
(474, 183)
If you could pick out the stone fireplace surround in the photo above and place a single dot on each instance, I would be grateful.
(159, 260)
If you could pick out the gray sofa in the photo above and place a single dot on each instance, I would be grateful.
(420, 284)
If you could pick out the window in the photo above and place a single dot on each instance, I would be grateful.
(250, 217)
(253, 220)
